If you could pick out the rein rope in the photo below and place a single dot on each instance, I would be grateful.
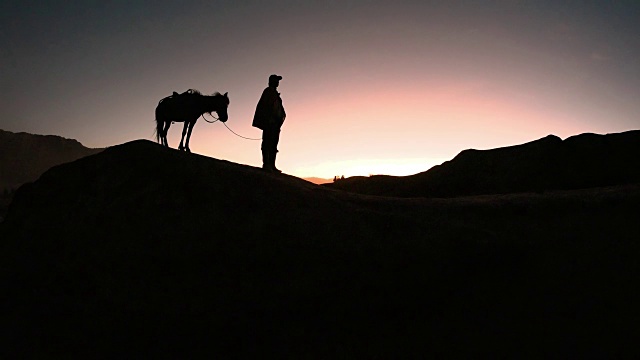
(234, 133)
(210, 122)
(225, 125)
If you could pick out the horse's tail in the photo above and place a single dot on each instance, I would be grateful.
(158, 129)
(155, 132)
(159, 124)
(161, 110)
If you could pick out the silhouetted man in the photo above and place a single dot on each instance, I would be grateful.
(269, 118)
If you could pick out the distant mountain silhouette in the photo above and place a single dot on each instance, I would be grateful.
(582, 161)
(317, 180)
(24, 157)
(142, 249)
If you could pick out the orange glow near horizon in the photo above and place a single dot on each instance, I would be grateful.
(367, 167)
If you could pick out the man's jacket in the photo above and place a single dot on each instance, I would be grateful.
(269, 112)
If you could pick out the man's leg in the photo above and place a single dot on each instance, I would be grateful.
(273, 148)
(270, 138)
(266, 148)
(266, 163)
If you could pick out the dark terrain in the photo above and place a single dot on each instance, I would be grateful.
(145, 251)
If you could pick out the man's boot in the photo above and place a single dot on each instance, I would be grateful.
(266, 161)
(273, 162)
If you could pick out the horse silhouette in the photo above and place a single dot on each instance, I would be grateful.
(187, 107)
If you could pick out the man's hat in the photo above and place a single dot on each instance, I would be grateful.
(275, 77)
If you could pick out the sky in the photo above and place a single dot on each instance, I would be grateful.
(369, 87)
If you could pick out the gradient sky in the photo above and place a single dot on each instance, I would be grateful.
(370, 87)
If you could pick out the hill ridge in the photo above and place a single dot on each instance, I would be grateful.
(549, 163)
(25, 156)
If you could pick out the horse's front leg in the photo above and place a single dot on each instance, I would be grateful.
(191, 125)
(184, 131)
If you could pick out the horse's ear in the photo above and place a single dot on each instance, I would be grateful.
(225, 94)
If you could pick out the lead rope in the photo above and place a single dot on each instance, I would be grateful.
(210, 122)
(225, 125)
(234, 133)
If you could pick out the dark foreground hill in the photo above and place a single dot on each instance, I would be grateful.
(144, 251)
(578, 162)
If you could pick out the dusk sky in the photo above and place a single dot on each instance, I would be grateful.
(370, 87)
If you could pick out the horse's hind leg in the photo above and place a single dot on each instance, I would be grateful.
(191, 125)
(184, 131)
(165, 130)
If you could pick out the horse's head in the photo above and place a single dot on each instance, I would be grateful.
(221, 105)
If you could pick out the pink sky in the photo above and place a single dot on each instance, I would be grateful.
(369, 87)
